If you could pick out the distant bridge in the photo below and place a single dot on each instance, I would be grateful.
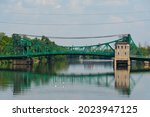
(23, 47)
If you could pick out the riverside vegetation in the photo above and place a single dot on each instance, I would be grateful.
(7, 40)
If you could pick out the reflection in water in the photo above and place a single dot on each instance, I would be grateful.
(67, 77)
(122, 80)
(22, 67)
(21, 77)
(23, 81)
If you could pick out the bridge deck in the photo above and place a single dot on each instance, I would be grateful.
(103, 55)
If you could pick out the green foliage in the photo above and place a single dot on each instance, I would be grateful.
(148, 50)
(2, 35)
(25, 43)
(144, 50)
(5, 44)
(18, 44)
(44, 43)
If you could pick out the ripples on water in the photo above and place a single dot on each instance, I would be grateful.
(89, 79)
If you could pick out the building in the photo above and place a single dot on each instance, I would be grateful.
(122, 54)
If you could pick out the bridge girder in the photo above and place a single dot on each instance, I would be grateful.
(24, 46)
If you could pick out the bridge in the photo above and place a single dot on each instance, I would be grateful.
(23, 47)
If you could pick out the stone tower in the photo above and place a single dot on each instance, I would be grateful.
(122, 55)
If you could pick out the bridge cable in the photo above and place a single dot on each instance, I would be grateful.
(86, 37)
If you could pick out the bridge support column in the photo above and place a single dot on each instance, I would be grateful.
(122, 55)
(24, 61)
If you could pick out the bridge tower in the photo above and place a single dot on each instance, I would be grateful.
(122, 55)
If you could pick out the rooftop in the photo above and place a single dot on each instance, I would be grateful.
(121, 43)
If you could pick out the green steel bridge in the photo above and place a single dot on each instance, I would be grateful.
(23, 47)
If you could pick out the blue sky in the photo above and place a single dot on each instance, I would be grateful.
(37, 16)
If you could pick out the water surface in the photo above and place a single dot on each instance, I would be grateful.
(74, 79)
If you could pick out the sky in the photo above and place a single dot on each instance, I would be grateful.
(77, 18)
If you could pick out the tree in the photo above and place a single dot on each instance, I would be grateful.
(2, 35)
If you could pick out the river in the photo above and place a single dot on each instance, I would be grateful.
(74, 79)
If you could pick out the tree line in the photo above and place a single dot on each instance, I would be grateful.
(7, 46)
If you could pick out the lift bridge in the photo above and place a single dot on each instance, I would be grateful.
(23, 47)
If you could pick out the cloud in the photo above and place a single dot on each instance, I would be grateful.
(74, 5)
(116, 2)
(80, 5)
(12, 5)
(19, 7)
(44, 7)
(44, 3)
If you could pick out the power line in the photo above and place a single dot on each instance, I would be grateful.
(57, 14)
(75, 24)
